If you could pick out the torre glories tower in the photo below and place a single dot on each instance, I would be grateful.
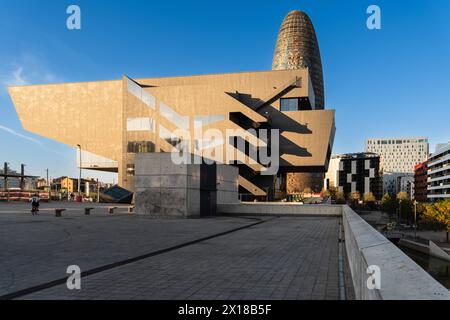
(110, 122)
(297, 48)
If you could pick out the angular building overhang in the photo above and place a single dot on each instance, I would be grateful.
(87, 114)
(113, 120)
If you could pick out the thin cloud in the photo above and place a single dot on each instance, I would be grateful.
(17, 134)
(18, 78)
(24, 70)
(30, 139)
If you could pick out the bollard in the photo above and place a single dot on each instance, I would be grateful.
(58, 212)
(111, 210)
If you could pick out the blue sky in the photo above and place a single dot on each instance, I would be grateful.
(391, 82)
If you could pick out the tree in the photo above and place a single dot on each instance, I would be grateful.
(355, 195)
(333, 192)
(437, 215)
(326, 193)
(405, 205)
(340, 197)
(402, 196)
(307, 190)
(369, 199)
(354, 198)
(388, 204)
(406, 208)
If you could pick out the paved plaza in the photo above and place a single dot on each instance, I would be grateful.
(212, 258)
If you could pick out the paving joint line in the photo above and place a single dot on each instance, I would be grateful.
(57, 282)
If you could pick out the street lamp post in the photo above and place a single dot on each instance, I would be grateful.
(415, 219)
(79, 180)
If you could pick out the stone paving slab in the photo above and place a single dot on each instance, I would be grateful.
(38, 249)
(283, 258)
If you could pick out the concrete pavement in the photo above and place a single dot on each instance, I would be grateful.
(280, 258)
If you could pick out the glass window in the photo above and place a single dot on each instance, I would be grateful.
(200, 121)
(168, 136)
(130, 170)
(140, 124)
(140, 147)
(290, 104)
(136, 90)
(177, 119)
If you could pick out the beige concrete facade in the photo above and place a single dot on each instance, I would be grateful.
(118, 119)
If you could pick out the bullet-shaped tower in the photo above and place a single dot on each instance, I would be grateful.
(297, 47)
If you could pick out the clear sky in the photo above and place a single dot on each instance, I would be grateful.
(389, 82)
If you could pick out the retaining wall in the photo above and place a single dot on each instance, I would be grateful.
(401, 277)
(278, 209)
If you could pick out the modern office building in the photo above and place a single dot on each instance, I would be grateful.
(112, 121)
(297, 48)
(399, 155)
(420, 182)
(439, 173)
(355, 172)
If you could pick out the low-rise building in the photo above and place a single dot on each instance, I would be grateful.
(420, 182)
(355, 172)
(439, 173)
(405, 183)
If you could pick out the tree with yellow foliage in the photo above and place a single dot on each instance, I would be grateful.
(439, 214)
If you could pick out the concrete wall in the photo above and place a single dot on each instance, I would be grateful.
(227, 184)
(401, 277)
(164, 189)
(423, 248)
(279, 208)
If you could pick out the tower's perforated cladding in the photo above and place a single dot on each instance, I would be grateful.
(297, 47)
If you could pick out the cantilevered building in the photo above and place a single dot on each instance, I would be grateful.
(113, 121)
(297, 48)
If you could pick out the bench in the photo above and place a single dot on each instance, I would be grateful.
(111, 209)
(87, 211)
(130, 209)
(58, 212)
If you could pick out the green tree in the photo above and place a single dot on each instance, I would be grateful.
(406, 208)
(388, 204)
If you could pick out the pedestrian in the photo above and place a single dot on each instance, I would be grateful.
(35, 200)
